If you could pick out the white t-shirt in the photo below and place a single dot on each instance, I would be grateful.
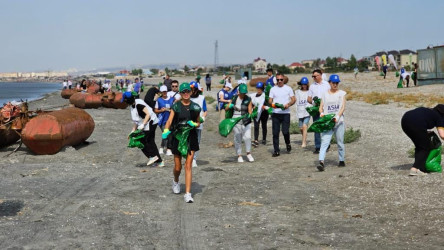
(200, 101)
(258, 101)
(324, 77)
(302, 103)
(130, 87)
(139, 120)
(404, 75)
(281, 95)
(318, 90)
(69, 83)
(65, 84)
(333, 103)
(175, 94)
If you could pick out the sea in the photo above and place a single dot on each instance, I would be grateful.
(17, 91)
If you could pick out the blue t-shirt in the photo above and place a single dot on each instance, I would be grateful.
(163, 116)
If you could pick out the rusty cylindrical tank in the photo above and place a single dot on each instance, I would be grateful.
(48, 133)
(86, 100)
(116, 102)
(67, 93)
(93, 88)
(8, 137)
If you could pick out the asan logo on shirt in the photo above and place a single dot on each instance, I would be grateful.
(333, 108)
(302, 102)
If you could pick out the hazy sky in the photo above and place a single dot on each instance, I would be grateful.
(87, 34)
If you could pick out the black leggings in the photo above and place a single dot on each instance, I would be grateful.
(209, 87)
(421, 140)
(263, 121)
(150, 149)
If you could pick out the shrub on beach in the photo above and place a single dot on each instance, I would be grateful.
(294, 128)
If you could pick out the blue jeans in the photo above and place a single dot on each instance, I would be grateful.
(199, 135)
(317, 136)
(276, 121)
(339, 131)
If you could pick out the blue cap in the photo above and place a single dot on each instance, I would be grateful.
(194, 85)
(126, 95)
(334, 78)
(260, 85)
(304, 81)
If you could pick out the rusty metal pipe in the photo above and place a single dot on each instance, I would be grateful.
(49, 133)
(67, 93)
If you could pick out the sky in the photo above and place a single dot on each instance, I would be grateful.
(91, 34)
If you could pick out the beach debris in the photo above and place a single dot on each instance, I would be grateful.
(226, 145)
(250, 203)
(129, 213)
(67, 93)
(50, 132)
(86, 100)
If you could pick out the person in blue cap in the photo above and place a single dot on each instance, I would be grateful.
(183, 113)
(301, 104)
(333, 102)
(144, 119)
(258, 100)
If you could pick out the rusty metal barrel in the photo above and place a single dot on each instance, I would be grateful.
(67, 93)
(8, 137)
(86, 100)
(49, 133)
(117, 104)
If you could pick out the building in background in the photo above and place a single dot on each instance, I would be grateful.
(260, 65)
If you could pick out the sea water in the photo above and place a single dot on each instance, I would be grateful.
(17, 91)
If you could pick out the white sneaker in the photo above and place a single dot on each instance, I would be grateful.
(152, 160)
(161, 151)
(194, 165)
(188, 199)
(176, 187)
(250, 158)
(161, 164)
(169, 152)
(240, 159)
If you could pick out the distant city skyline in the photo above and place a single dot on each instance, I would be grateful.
(83, 35)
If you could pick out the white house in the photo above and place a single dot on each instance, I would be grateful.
(260, 64)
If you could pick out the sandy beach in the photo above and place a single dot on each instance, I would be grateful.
(102, 195)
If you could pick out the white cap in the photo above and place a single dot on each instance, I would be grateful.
(229, 85)
(163, 88)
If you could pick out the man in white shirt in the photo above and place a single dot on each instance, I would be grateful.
(174, 93)
(65, 84)
(283, 95)
(316, 91)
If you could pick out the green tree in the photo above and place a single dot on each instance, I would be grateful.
(352, 62)
(167, 71)
(186, 69)
(154, 71)
(329, 63)
(363, 64)
(136, 72)
(269, 66)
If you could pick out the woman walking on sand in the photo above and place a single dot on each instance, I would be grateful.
(183, 114)
(242, 105)
(415, 124)
(333, 102)
(303, 115)
(144, 119)
(208, 82)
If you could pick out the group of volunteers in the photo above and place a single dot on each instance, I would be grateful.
(278, 102)
(179, 110)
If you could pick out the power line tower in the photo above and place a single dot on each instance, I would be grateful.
(216, 56)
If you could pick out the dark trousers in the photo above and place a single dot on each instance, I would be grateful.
(278, 120)
(422, 144)
(317, 136)
(150, 149)
(209, 87)
(385, 73)
(262, 122)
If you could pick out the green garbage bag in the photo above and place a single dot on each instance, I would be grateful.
(381, 73)
(222, 81)
(400, 84)
(324, 123)
(228, 113)
(267, 93)
(270, 111)
(314, 110)
(433, 162)
(182, 136)
(227, 125)
(135, 139)
(397, 73)
(254, 113)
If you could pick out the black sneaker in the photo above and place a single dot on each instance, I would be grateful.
(316, 151)
(320, 166)
(275, 154)
(288, 148)
(255, 143)
(341, 164)
(264, 142)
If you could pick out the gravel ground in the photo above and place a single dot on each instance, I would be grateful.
(102, 195)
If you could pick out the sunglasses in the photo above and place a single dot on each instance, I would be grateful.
(279, 80)
(186, 91)
(174, 86)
